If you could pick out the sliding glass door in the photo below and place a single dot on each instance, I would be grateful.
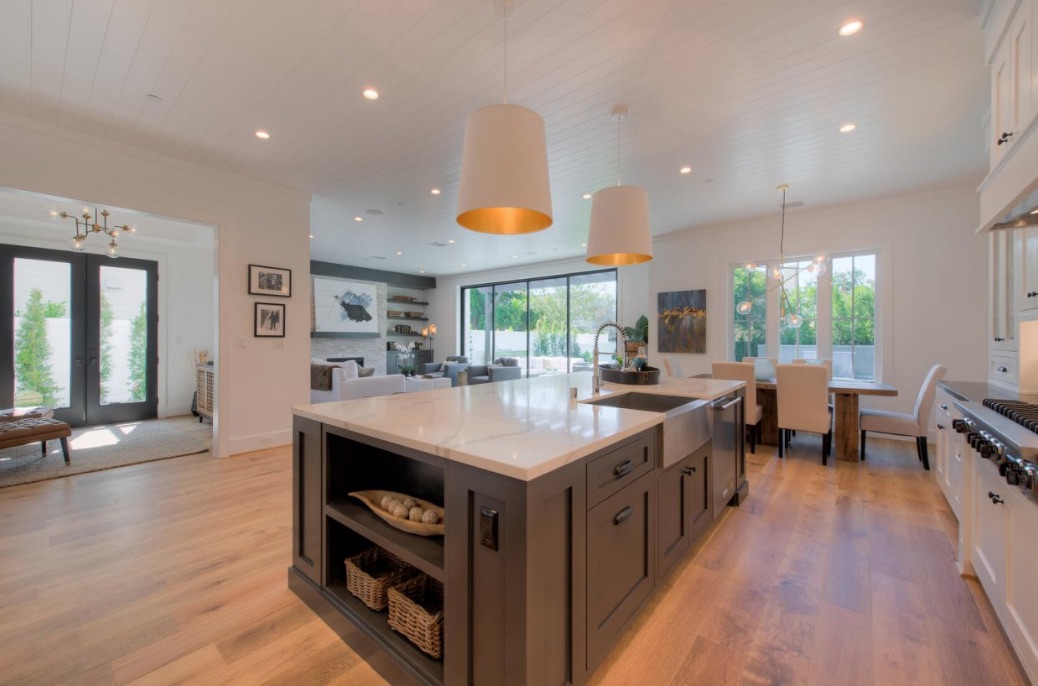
(78, 333)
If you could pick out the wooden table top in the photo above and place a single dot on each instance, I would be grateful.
(844, 386)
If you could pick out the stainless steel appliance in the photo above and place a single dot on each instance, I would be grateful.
(1005, 432)
(729, 433)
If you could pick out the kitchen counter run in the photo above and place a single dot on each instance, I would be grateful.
(522, 429)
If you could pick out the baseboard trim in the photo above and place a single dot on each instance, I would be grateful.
(272, 439)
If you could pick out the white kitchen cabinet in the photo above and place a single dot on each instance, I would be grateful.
(1004, 253)
(1027, 293)
(1012, 67)
(949, 452)
(990, 529)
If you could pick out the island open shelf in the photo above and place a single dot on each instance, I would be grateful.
(422, 552)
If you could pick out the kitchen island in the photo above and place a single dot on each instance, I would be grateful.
(559, 517)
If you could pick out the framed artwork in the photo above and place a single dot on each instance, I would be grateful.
(269, 320)
(682, 321)
(345, 308)
(270, 281)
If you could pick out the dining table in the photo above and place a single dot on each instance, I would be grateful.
(847, 393)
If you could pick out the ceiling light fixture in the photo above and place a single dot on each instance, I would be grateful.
(504, 185)
(371, 94)
(90, 226)
(586, 196)
(435, 191)
(358, 218)
(847, 128)
(263, 135)
(851, 27)
(399, 252)
(619, 233)
(781, 274)
(686, 170)
(450, 240)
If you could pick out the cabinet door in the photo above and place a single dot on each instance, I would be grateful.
(621, 562)
(307, 497)
(944, 405)
(990, 520)
(1028, 246)
(1001, 105)
(1021, 600)
(1005, 265)
(1020, 65)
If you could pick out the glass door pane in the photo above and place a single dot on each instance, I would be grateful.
(592, 302)
(124, 340)
(549, 344)
(510, 322)
(478, 304)
(42, 333)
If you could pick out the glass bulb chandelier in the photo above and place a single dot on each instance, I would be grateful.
(781, 274)
(89, 225)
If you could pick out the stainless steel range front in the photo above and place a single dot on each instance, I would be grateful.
(1005, 432)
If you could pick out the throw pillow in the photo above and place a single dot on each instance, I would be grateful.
(365, 372)
(350, 369)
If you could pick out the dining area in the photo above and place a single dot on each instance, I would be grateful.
(784, 399)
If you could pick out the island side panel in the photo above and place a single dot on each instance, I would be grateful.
(307, 500)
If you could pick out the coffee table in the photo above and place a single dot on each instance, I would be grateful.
(413, 384)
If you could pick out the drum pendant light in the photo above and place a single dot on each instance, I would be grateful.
(619, 234)
(504, 165)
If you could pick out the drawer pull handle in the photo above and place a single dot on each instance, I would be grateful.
(941, 427)
(944, 406)
(623, 515)
(689, 471)
(1001, 369)
(995, 498)
(623, 469)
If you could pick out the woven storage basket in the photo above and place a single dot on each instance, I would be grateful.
(416, 611)
(370, 574)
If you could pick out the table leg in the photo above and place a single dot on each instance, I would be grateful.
(846, 427)
(767, 398)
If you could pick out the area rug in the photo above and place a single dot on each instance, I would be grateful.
(95, 448)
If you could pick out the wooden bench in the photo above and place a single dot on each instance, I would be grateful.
(23, 431)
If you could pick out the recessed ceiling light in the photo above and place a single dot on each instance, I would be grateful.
(851, 27)
(358, 218)
(583, 245)
(264, 135)
(450, 240)
(586, 196)
(311, 235)
(686, 170)
(847, 128)
(53, 214)
(514, 256)
(371, 94)
(399, 252)
(435, 191)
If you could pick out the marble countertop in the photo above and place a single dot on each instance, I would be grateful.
(522, 429)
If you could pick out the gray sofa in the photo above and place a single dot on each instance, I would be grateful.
(449, 367)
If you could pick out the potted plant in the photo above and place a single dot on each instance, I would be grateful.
(637, 335)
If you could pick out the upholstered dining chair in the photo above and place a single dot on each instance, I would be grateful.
(828, 364)
(802, 392)
(916, 424)
(754, 413)
(672, 368)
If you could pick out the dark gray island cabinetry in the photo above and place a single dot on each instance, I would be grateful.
(558, 522)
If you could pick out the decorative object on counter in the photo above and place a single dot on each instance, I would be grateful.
(640, 360)
(344, 308)
(504, 185)
(416, 611)
(619, 233)
(374, 500)
(682, 321)
(270, 281)
(370, 574)
(90, 226)
(269, 320)
(631, 377)
(781, 274)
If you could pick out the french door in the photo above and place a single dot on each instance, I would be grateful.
(78, 333)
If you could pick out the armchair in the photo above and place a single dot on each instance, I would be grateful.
(503, 369)
(449, 367)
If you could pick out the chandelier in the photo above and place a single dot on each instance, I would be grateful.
(89, 225)
(782, 273)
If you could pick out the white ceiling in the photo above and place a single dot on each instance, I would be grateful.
(750, 93)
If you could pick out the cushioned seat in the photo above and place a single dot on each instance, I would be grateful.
(916, 424)
(22, 431)
(348, 384)
(448, 368)
(503, 369)
(753, 413)
(802, 392)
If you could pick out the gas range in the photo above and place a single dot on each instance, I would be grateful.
(1005, 432)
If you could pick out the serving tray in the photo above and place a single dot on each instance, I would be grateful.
(373, 499)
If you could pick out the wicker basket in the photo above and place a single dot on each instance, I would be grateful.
(416, 611)
(370, 574)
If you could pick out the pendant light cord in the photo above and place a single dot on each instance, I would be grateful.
(504, 94)
(619, 176)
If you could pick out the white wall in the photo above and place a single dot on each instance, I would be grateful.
(258, 380)
(932, 279)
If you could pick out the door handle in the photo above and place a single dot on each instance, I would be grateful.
(78, 362)
(721, 405)
(623, 515)
(93, 361)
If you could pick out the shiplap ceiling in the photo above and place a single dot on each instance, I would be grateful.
(749, 93)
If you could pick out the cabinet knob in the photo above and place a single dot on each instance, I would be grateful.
(941, 427)
(1004, 138)
(995, 497)
(944, 406)
(689, 471)
(1001, 369)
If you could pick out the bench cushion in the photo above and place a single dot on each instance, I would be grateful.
(24, 431)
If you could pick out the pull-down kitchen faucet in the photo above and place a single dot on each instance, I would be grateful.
(594, 355)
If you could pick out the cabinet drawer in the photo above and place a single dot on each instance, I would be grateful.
(608, 474)
(621, 562)
(1002, 369)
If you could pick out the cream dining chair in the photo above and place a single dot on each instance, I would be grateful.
(828, 364)
(802, 392)
(753, 413)
(916, 424)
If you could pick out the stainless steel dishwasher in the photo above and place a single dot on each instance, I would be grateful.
(729, 434)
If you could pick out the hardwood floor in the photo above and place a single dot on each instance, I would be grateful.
(174, 572)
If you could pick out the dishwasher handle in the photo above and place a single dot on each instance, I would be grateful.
(722, 404)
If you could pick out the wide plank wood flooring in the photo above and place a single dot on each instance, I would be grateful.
(174, 572)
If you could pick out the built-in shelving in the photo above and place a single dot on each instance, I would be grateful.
(422, 552)
(420, 319)
(377, 624)
(406, 302)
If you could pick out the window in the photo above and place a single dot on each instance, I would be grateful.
(548, 323)
(842, 329)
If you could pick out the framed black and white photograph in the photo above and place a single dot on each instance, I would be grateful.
(270, 281)
(269, 320)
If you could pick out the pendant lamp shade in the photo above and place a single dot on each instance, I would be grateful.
(504, 172)
(619, 233)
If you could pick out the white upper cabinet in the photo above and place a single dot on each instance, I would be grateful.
(1009, 34)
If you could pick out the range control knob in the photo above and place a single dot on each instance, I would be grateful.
(1003, 468)
(987, 450)
(960, 426)
(1013, 476)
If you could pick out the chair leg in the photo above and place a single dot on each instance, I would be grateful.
(782, 443)
(64, 449)
(753, 440)
(826, 438)
(862, 445)
(920, 443)
(43, 445)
